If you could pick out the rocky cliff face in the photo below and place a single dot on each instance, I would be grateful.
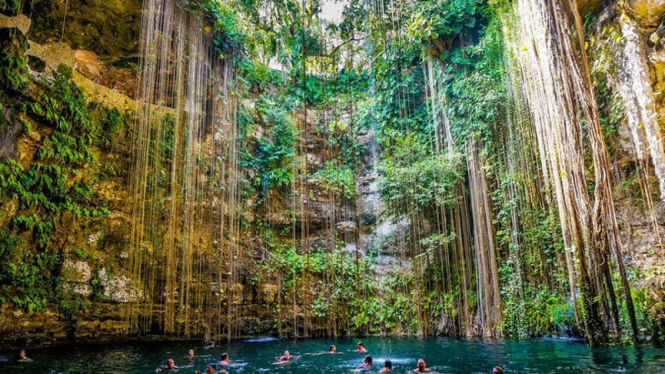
(108, 28)
(637, 52)
(102, 37)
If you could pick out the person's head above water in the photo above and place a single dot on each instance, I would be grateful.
(225, 357)
(368, 360)
(332, 349)
(170, 364)
(210, 369)
(420, 366)
(497, 370)
(388, 365)
(285, 357)
(23, 354)
(191, 353)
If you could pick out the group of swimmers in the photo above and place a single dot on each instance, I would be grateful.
(287, 357)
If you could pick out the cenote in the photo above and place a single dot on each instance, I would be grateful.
(442, 355)
(475, 173)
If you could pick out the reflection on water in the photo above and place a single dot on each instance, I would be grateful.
(263, 339)
(442, 355)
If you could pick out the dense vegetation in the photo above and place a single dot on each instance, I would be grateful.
(50, 194)
(431, 86)
(442, 62)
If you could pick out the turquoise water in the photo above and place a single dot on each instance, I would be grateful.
(443, 355)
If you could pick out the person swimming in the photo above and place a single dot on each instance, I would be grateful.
(285, 357)
(170, 364)
(210, 369)
(190, 354)
(367, 363)
(421, 367)
(497, 370)
(360, 347)
(332, 350)
(387, 367)
(224, 359)
(23, 356)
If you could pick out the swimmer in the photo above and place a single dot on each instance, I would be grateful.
(210, 369)
(360, 347)
(421, 367)
(212, 345)
(367, 363)
(23, 356)
(387, 367)
(190, 354)
(285, 357)
(332, 350)
(497, 370)
(170, 364)
(224, 360)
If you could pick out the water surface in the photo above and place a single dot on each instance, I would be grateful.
(443, 355)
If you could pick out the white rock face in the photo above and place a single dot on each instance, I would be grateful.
(77, 275)
(77, 271)
(638, 98)
(93, 239)
(346, 226)
(119, 289)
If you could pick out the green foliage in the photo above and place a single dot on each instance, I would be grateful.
(343, 298)
(400, 105)
(10, 7)
(13, 64)
(275, 152)
(445, 20)
(24, 274)
(112, 124)
(52, 192)
(228, 35)
(415, 178)
(338, 179)
(258, 78)
(601, 48)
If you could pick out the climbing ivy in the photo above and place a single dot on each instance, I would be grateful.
(53, 192)
(13, 65)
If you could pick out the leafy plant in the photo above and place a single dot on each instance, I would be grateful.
(13, 45)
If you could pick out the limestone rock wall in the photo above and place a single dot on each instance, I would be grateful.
(642, 228)
(359, 223)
